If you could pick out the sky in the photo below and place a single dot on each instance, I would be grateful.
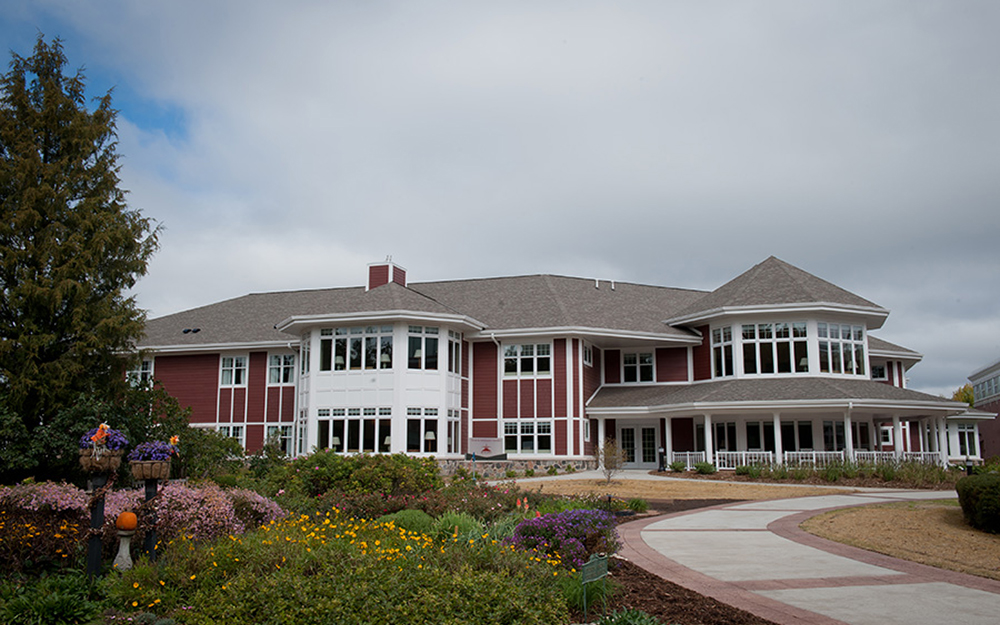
(287, 145)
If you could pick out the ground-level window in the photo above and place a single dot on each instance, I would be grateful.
(355, 430)
(422, 433)
(967, 440)
(833, 436)
(282, 435)
(142, 374)
(233, 431)
(527, 437)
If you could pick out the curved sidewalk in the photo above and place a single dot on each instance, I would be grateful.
(753, 555)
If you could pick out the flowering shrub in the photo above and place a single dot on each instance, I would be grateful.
(113, 440)
(40, 524)
(572, 535)
(252, 509)
(152, 450)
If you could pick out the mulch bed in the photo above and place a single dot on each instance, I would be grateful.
(670, 603)
(811, 480)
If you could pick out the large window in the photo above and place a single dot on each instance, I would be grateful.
(281, 369)
(356, 348)
(841, 348)
(141, 375)
(454, 352)
(527, 437)
(967, 440)
(722, 351)
(422, 348)
(355, 430)
(775, 348)
(233, 431)
(422, 430)
(234, 371)
(527, 360)
(637, 367)
(282, 435)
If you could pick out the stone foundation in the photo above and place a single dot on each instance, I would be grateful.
(497, 469)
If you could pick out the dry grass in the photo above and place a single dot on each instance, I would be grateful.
(928, 532)
(659, 490)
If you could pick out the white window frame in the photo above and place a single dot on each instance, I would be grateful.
(882, 368)
(722, 352)
(523, 431)
(284, 432)
(237, 369)
(239, 432)
(281, 366)
(832, 342)
(356, 348)
(142, 374)
(420, 341)
(768, 340)
(588, 355)
(517, 357)
(454, 352)
(633, 361)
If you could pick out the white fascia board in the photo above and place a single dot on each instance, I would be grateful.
(298, 322)
(949, 407)
(898, 355)
(218, 347)
(984, 372)
(973, 415)
(877, 314)
(584, 332)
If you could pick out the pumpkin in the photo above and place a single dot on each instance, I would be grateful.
(127, 521)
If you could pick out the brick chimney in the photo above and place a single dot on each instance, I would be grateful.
(384, 273)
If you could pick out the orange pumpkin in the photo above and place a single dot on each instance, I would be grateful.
(127, 521)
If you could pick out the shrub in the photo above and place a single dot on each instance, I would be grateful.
(570, 468)
(886, 471)
(41, 524)
(416, 521)
(637, 505)
(253, 509)
(743, 469)
(799, 473)
(979, 496)
(510, 473)
(831, 472)
(458, 526)
(678, 466)
(552, 470)
(571, 536)
(777, 472)
(529, 473)
(704, 468)
(67, 597)
(582, 597)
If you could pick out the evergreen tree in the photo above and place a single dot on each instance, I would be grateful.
(70, 247)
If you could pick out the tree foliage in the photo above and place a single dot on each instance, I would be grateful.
(965, 394)
(70, 247)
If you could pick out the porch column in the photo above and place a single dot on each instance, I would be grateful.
(668, 440)
(942, 436)
(779, 451)
(897, 437)
(600, 443)
(709, 451)
(932, 440)
(848, 436)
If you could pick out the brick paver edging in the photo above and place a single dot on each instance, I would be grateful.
(741, 595)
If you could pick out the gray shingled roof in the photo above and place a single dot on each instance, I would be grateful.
(772, 282)
(538, 301)
(790, 389)
(877, 344)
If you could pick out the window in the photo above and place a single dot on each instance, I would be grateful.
(588, 355)
(281, 369)
(142, 375)
(422, 430)
(527, 437)
(454, 352)
(233, 431)
(833, 436)
(304, 350)
(841, 348)
(775, 348)
(281, 434)
(967, 440)
(234, 371)
(355, 430)
(527, 360)
(637, 367)
(722, 351)
(355, 349)
(422, 348)
(878, 372)
(725, 436)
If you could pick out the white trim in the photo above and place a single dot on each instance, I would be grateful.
(584, 332)
(877, 312)
(289, 324)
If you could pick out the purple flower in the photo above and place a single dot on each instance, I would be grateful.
(153, 450)
(114, 441)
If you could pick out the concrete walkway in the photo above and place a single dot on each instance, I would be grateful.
(753, 555)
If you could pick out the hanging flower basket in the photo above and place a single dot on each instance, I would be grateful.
(104, 462)
(101, 449)
(150, 469)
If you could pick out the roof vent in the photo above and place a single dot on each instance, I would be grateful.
(385, 272)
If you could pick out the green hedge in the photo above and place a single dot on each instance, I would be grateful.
(980, 499)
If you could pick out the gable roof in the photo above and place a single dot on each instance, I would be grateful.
(774, 283)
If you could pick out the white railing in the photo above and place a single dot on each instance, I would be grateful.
(874, 457)
(813, 458)
(928, 457)
(690, 458)
(733, 459)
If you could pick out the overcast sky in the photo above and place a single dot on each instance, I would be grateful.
(286, 145)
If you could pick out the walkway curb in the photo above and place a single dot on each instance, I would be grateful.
(745, 594)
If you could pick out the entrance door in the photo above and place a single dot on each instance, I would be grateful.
(639, 445)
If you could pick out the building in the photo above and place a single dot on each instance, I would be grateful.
(776, 365)
(986, 392)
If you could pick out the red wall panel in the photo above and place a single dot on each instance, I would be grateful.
(484, 382)
(671, 364)
(193, 381)
(592, 375)
(703, 356)
(273, 412)
(288, 403)
(574, 365)
(612, 366)
(559, 432)
(226, 405)
(510, 399)
(559, 376)
(484, 429)
(682, 431)
(544, 390)
(256, 383)
(527, 400)
(239, 405)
